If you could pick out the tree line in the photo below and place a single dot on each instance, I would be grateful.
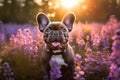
(25, 11)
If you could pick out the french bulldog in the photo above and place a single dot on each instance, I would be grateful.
(56, 36)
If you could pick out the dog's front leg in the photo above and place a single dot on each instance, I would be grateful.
(46, 66)
(69, 59)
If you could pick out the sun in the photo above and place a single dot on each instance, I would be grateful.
(69, 3)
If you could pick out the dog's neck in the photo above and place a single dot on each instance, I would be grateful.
(57, 51)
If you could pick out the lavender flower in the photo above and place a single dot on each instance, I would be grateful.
(23, 39)
(80, 42)
(78, 72)
(77, 58)
(55, 72)
(105, 42)
(2, 37)
(94, 48)
(115, 58)
(7, 71)
(96, 61)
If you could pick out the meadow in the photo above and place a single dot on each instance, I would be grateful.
(96, 47)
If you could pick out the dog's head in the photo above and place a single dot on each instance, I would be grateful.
(56, 33)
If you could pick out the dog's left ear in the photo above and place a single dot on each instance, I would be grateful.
(43, 21)
(68, 20)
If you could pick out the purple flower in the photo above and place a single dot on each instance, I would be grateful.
(77, 58)
(55, 72)
(78, 72)
(105, 43)
(7, 71)
(117, 47)
(2, 37)
(115, 58)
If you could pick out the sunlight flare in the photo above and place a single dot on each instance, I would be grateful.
(69, 3)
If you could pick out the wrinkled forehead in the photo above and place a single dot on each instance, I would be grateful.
(56, 25)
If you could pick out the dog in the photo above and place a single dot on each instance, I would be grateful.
(56, 35)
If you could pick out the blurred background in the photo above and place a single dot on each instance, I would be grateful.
(25, 11)
(95, 38)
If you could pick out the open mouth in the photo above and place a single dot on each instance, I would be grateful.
(55, 44)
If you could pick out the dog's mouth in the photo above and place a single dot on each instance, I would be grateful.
(56, 47)
(55, 44)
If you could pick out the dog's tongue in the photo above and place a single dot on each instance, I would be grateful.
(55, 44)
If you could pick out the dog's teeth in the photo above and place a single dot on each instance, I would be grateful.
(56, 51)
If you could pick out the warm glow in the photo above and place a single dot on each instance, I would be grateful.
(39, 2)
(51, 14)
(50, 3)
(69, 3)
(84, 7)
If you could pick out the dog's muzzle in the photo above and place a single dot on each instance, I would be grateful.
(55, 39)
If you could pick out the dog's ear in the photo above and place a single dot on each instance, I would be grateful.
(68, 20)
(43, 21)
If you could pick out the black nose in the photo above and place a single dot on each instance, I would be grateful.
(56, 33)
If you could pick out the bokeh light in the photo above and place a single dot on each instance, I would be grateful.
(39, 2)
(69, 3)
(84, 7)
(50, 3)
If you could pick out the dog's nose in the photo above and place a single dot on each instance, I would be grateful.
(56, 33)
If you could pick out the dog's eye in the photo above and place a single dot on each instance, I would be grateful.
(47, 30)
(64, 30)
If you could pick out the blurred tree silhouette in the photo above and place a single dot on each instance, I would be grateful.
(20, 11)
(25, 11)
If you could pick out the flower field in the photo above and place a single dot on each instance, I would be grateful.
(96, 47)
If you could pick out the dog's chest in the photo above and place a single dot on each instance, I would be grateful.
(58, 59)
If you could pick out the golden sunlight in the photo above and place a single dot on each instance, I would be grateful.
(39, 2)
(84, 7)
(69, 3)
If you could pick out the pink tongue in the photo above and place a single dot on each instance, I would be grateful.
(55, 44)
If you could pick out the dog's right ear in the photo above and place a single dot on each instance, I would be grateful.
(43, 21)
(68, 20)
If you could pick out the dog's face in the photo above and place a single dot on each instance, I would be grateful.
(56, 33)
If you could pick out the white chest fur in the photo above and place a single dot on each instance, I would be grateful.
(58, 58)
